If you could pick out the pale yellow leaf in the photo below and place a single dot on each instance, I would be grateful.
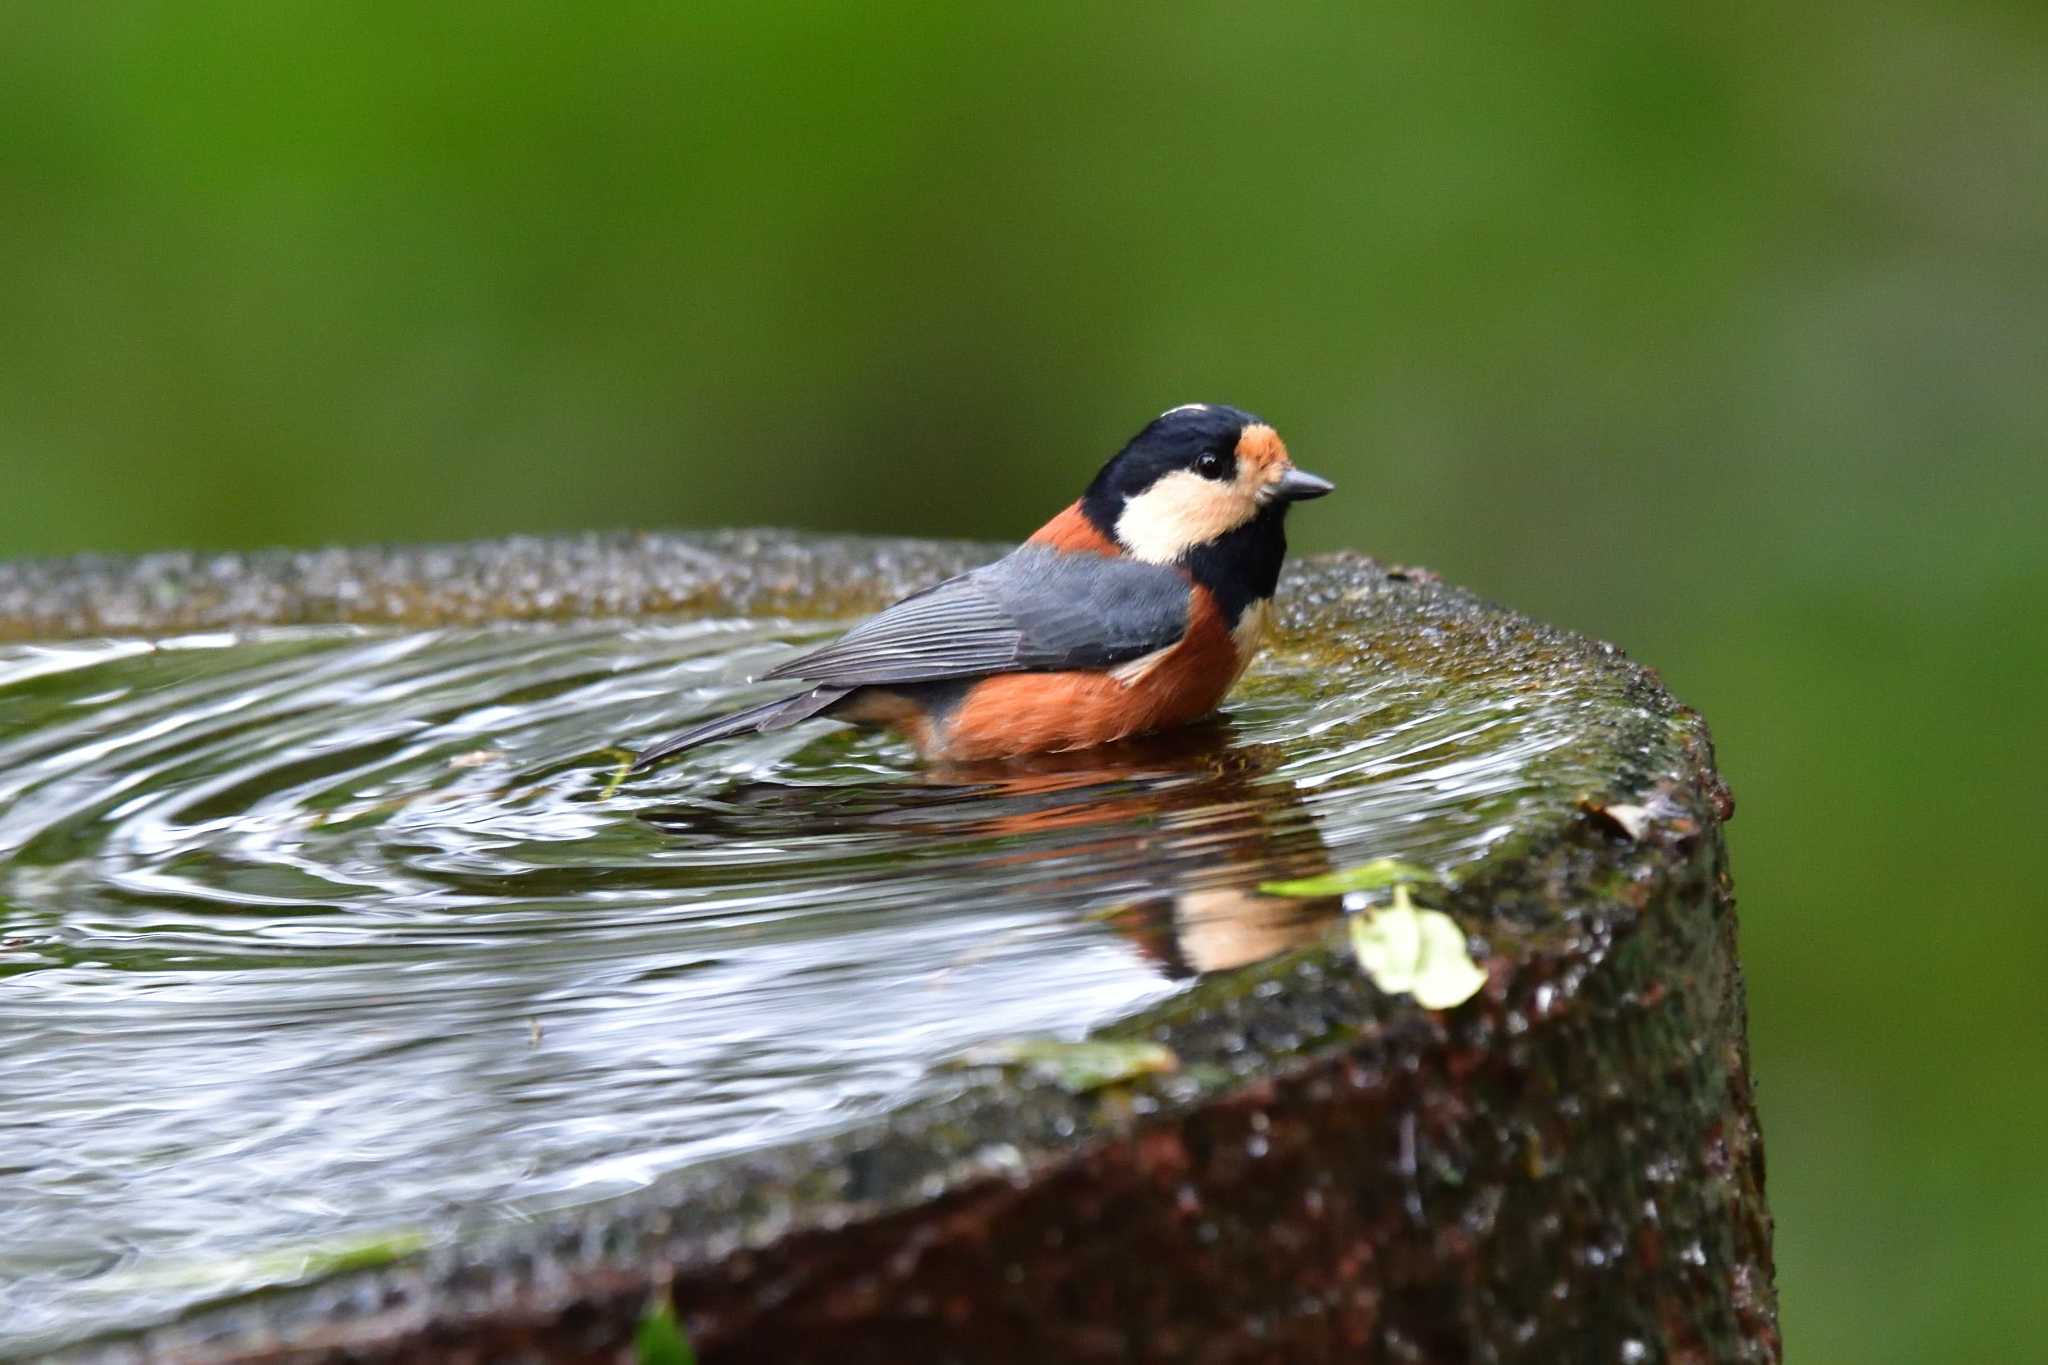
(1407, 951)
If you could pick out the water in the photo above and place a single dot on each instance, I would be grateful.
(318, 933)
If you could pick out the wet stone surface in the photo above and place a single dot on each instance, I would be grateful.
(331, 950)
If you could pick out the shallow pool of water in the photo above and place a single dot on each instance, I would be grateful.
(309, 934)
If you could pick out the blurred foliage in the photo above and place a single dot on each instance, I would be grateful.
(1720, 332)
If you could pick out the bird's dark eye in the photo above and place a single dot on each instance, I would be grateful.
(1209, 465)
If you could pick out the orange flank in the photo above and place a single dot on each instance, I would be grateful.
(1018, 713)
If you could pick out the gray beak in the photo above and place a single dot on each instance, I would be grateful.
(1298, 485)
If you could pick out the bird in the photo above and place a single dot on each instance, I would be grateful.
(1135, 609)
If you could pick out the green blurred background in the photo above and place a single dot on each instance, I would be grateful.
(1722, 334)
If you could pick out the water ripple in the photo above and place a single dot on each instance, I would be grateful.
(312, 931)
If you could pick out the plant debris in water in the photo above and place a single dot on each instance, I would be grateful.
(1409, 951)
(286, 1264)
(1076, 1067)
(1377, 875)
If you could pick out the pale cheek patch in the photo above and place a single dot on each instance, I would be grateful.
(1179, 512)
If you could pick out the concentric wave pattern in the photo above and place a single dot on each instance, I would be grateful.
(308, 933)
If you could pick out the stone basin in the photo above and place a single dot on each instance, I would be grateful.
(1269, 1157)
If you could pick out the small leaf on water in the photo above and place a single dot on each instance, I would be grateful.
(282, 1265)
(1422, 953)
(1448, 976)
(1102, 914)
(1076, 1067)
(1376, 875)
(659, 1339)
(619, 774)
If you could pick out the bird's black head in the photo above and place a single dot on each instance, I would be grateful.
(1207, 486)
(1200, 437)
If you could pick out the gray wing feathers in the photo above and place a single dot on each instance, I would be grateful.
(949, 631)
(779, 714)
(1034, 610)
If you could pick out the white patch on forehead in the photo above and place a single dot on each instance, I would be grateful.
(1180, 511)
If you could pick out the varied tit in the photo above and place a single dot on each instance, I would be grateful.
(1135, 609)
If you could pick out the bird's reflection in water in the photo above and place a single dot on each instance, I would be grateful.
(1163, 839)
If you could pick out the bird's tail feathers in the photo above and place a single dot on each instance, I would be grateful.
(779, 714)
